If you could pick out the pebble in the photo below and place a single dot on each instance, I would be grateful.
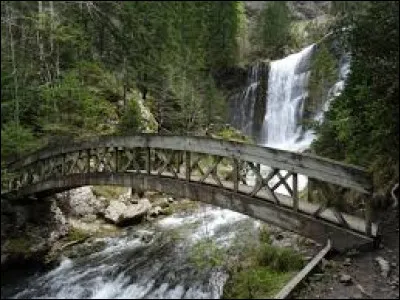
(347, 261)
(346, 279)
(357, 296)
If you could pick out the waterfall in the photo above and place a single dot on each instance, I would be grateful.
(243, 104)
(287, 91)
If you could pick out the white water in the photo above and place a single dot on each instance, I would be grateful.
(129, 268)
(287, 92)
(243, 104)
(287, 82)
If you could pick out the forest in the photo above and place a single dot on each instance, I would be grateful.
(74, 69)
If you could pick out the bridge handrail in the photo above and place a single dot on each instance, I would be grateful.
(312, 166)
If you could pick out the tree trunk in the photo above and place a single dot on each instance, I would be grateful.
(12, 48)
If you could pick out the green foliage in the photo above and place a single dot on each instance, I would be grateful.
(71, 108)
(21, 245)
(279, 259)
(131, 120)
(67, 67)
(206, 254)
(76, 234)
(261, 270)
(232, 134)
(324, 73)
(255, 283)
(273, 29)
(362, 125)
(265, 236)
(17, 140)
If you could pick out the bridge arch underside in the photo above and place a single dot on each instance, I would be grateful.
(299, 222)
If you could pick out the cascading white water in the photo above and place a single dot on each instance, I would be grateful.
(287, 90)
(243, 104)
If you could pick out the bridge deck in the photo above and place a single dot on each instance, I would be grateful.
(208, 170)
(354, 222)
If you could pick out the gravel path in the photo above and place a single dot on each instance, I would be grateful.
(358, 275)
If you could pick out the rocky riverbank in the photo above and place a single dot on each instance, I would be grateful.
(37, 231)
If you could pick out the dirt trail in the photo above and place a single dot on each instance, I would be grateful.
(367, 282)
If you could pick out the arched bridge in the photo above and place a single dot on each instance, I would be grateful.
(208, 170)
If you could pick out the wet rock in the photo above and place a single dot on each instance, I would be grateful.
(146, 237)
(384, 266)
(81, 202)
(357, 296)
(134, 201)
(352, 253)
(170, 200)
(347, 261)
(28, 231)
(345, 279)
(120, 214)
(154, 212)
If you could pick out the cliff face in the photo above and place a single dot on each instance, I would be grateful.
(301, 10)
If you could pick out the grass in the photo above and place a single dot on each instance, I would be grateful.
(279, 259)
(206, 254)
(261, 269)
(255, 283)
(109, 191)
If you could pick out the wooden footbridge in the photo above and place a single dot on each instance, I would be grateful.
(203, 169)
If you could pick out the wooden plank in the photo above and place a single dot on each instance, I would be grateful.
(311, 166)
(295, 192)
(291, 285)
(235, 175)
(259, 208)
(187, 165)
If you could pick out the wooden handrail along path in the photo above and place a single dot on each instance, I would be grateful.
(203, 169)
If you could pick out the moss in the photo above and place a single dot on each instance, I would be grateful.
(168, 211)
(324, 73)
(232, 134)
(109, 191)
(76, 234)
(185, 205)
(19, 245)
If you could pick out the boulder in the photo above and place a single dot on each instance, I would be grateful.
(345, 279)
(384, 266)
(155, 211)
(121, 214)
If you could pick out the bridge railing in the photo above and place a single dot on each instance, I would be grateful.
(199, 159)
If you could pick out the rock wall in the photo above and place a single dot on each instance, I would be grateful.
(28, 230)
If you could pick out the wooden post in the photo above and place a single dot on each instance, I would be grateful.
(88, 160)
(63, 167)
(295, 192)
(116, 159)
(368, 223)
(148, 161)
(235, 175)
(187, 167)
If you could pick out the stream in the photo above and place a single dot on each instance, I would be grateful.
(151, 260)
